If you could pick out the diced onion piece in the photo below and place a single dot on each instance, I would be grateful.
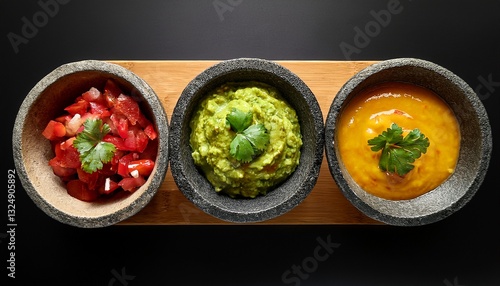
(134, 173)
(107, 184)
(73, 125)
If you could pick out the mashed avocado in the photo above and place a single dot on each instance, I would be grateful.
(211, 136)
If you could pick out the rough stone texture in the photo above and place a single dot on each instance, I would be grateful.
(193, 184)
(474, 157)
(32, 151)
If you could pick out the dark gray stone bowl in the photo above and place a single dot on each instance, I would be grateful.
(474, 156)
(289, 194)
(32, 151)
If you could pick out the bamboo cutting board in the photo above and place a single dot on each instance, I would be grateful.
(324, 205)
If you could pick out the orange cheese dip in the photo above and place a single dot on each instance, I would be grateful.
(371, 112)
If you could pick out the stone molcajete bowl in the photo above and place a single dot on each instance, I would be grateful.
(474, 155)
(32, 151)
(284, 197)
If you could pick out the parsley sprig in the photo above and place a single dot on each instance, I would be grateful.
(93, 151)
(250, 140)
(399, 153)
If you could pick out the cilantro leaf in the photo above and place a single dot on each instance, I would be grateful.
(250, 140)
(242, 149)
(93, 151)
(399, 153)
(257, 135)
(393, 135)
(239, 120)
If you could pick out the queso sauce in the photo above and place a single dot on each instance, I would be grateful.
(371, 112)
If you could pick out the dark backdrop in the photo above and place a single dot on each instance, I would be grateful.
(463, 36)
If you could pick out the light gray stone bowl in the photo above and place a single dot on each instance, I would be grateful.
(474, 156)
(284, 197)
(32, 151)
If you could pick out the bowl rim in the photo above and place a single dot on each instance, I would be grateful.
(159, 116)
(379, 210)
(194, 91)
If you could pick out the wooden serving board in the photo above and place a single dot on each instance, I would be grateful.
(324, 205)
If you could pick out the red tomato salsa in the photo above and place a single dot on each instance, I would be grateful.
(132, 134)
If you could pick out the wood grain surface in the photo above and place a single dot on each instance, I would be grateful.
(324, 205)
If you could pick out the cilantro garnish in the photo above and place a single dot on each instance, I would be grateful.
(399, 153)
(250, 139)
(93, 151)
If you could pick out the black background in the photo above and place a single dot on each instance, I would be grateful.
(462, 36)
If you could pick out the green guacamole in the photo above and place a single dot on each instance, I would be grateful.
(211, 137)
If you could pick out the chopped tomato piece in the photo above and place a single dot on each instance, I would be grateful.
(111, 168)
(130, 141)
(68, 143)
(121, 124)
(150, 132)
(81, 191)
(127, 106)
(151, 151)
(141, 140)
(79, 107)
(62, 171)
(111, 92)
(123, 164)
(137, 139)
(129, 131)
(118, 155)
(54, 130)
(99, 109)
(143, 167)
(118, 142)
(94, 95)
(63, 118)
(132, 184)
(108, 169)
(90, 179)
(67, 158)
(108, 187)
(143, 121)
